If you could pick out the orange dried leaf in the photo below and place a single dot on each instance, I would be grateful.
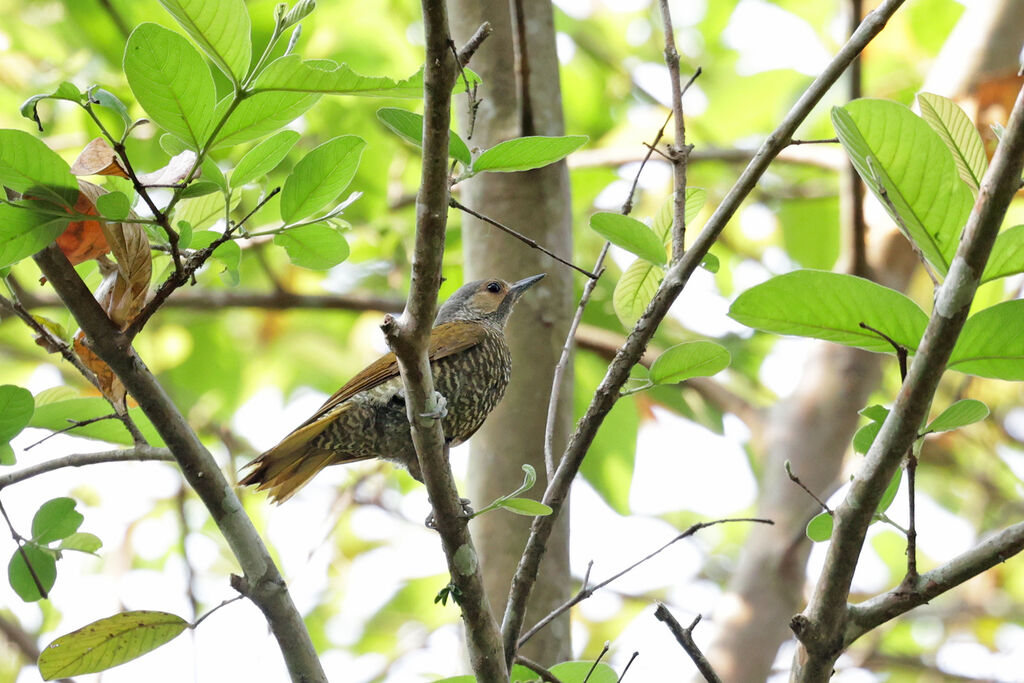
(84, 240)
(109, 383)
(98, 158)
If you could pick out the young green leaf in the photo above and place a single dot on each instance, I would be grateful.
(7, 455)
(522, 154)
(211, 173)
(875, 412)
(1007, 255)
(200, 188)
(82, 541)
(291, 73)
(320, 177)
(220, 28)
(820, 527)
(634, 291)
(107, 99)
(114, 205)
(958, 134)
(108, 642)
(30, 167)
(65, 91)
(662, 224)
(16, 408)
(54, 407)
(264, 157)
(912, 167)
(991, 343)
(630, 234)
(202, 212)
(689, 359)
(710, 263)
(171, 81)
(831, 306)
(260, 114)
(865, 436)
(525, 506)
(409, 127)
(584, 672)
(55, 519)
(44, 566)
(317, 246)
(964, 412)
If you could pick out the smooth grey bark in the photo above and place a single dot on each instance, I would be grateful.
(536, 203)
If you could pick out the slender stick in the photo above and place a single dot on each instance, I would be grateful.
(684, 636)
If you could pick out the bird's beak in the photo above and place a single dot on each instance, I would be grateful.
(517, 288)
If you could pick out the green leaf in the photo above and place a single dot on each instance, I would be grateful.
(171, 81)
(630, 234)
(991, 343)
(16, 408)
(831, 306)
(202, 212)
(20, 576)
(220, 28)
(107, 99)
(317, 246)
(810, 230)
(908, 160)
(875, 412)
(525, 506)
(30, 167)
(108, 642)
(890, 492)
(634, 291)
(662, 224)
(409, 127)
(320, 177)
(81, 541)
(200, 188)
(211, 173)
(54, 407)
(710, 263)
(65, 91)
(958, 134)
(299, 11)
(689, 359)
(7, 454)
(55, 519)
(865, 436)
(264, 157)
(293, 74)
(962, 413)
(578, 672)
(820, 527)
(523, 154)
(1007, 255)
(114, 205)
(260, 114)
(24, 232)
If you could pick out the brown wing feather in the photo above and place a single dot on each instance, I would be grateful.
(286, 467)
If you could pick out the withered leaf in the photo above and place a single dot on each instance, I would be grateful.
(98, 158)
(84, 240)
(174, 172)
(109, 383)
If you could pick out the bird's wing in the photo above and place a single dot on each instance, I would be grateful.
(445, 340)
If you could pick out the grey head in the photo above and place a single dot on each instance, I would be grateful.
(486, 301)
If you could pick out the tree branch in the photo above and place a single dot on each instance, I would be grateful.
(684, 636)
(409, 337)
(137, 454)
(267, 588)
(676, 277)
(821, 628)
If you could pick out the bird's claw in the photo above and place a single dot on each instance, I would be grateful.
(437, 408)
(467, 512)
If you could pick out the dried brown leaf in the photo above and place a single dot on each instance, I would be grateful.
(98, 158)
(84, 240)
(109, 383)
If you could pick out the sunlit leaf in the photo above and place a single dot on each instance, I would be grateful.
(409, 126)
(320, 177)
(55, 519)
(889, 495)
(991, 343)
(630, 234)
(317, 246)
(1007, 255)
(958, 134)
(220, 28)
(525, 506)
(662, 224)
(44, 566)
(16, 408)
(964, 412)
(578, 672)
(65, 91)
(24, 232)
(690, 359)
(831, 306)
(820, 527)
(523, 154)
(30, 167)
(108, 642)
(264, 157)
(634, 291)
(293, 74)
(82, 541)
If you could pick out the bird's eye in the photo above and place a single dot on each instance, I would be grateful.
(494, 287)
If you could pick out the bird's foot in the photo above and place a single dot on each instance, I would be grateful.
(467, 512)
(437, 407)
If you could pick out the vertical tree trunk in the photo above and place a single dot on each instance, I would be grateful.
(537, 204)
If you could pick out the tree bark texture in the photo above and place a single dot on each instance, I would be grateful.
(536, 203)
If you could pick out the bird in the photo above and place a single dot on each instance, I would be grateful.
(367, 417)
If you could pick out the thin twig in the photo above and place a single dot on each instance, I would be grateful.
(75, 424)
(628, 664)
(901, 351)
(822, 141)
(224, 603)
(536, 668)
(586, 591)
(684, 636)
(136, 454)
(455, 204)
(600, 656)
(19, 540)
(796, 480)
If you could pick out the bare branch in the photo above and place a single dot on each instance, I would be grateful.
(684, 636)
(137, 454)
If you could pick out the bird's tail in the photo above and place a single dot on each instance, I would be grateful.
(286, 467)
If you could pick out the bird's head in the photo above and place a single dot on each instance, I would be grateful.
(488, 301)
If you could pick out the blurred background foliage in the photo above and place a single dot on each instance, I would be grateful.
(244, 375)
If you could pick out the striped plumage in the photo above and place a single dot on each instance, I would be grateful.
(366, 418)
